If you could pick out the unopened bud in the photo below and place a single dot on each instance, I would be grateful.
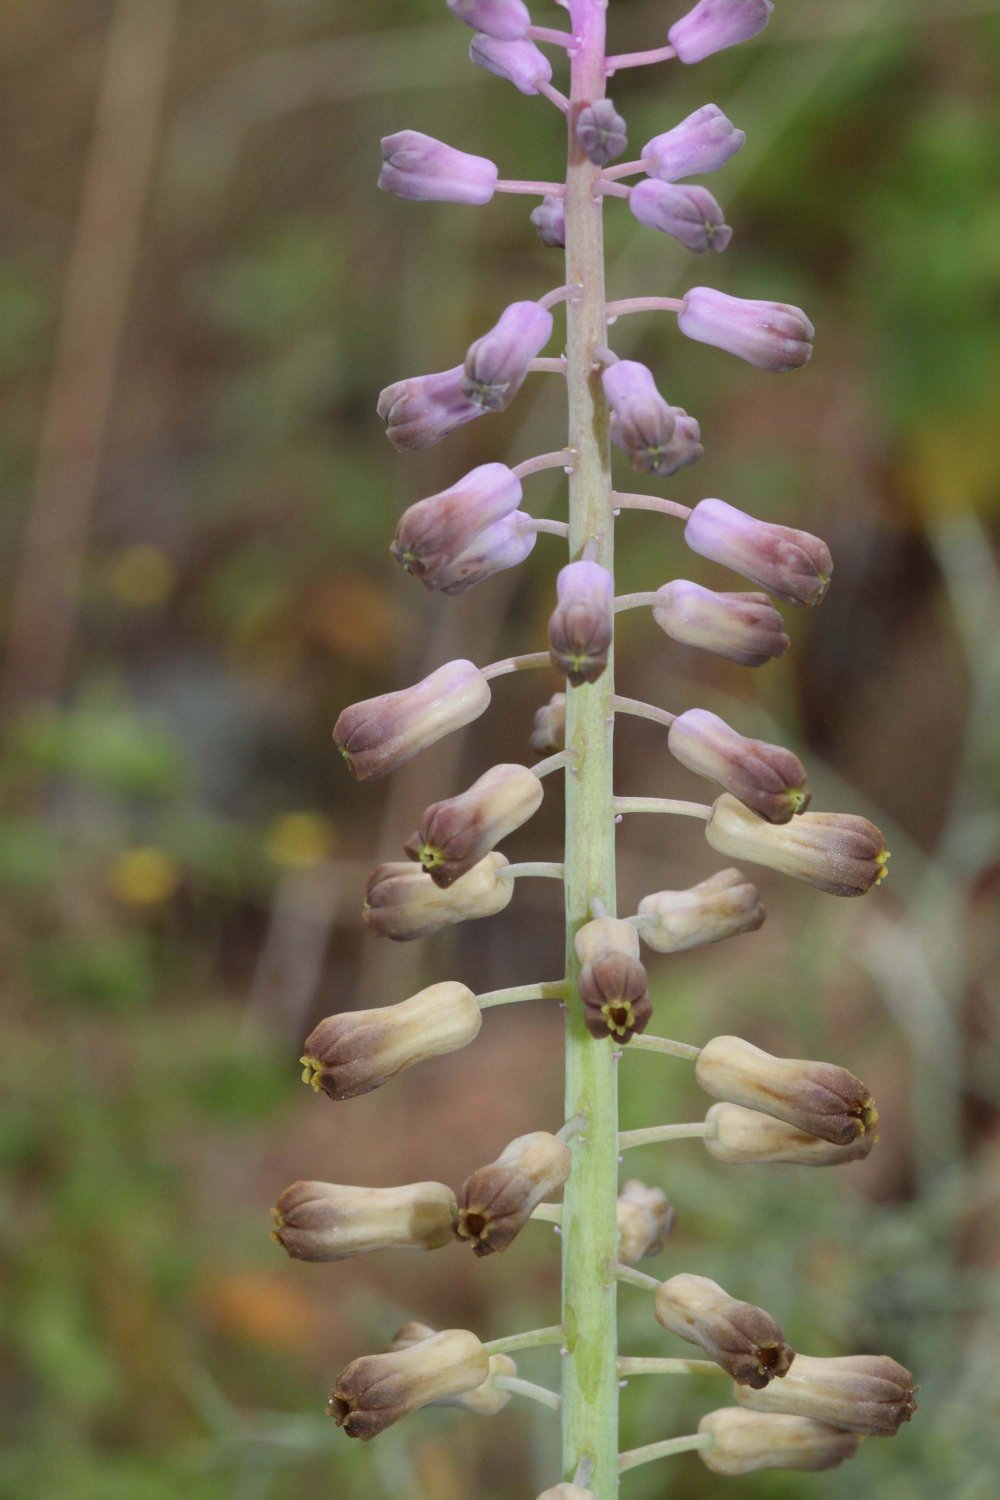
(743, 1339)
(766, 778)
(688, 214)
(377, 1390)
(456, 834)
(497, 364)
(614, 986)
(549, 219)
(403, 903)
(866, 1393)
(601, 132)
(771, 335)
(519, 62)
(381, 734)
(323, 1221)
(450, 540)
(642, 422)
(836, 852)
(703, 142)
(358, 1051)
(720, 907)
(581, 628)
(817, 1097)
(486, 1399)
(745, 628)
(741, 1445)
(793, 565)
(645, 1221)
(716, 24)
(496, 1202)
(504, 19)
(419, 167)
(420, 411)
(549, 733)
(746, 1137)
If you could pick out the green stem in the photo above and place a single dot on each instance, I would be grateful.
(640, 1366)
(556, 990)
(665, 1045)
(589, 1228)
(698, 1129)
(528, 1388)
(633, 1277)
(535, 1338)
(666, 1449)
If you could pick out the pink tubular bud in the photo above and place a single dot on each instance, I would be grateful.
(549, 219)
(496, 1202)
(614, 987)
(504, 19)
(601, 132)
(741, 1445)
(816, 1097)
(456, 834)
(645, 1220)
(381, 734)
(703, 142)
(714, 25)
(455, 539)
(321, 1221)
(497, 364)
(744, 628)
(582, 627)
(771, 335)
(720, 907)
(836, 852)
(688, 214)
(766, 778)
(868, 1394)
(549, 733)
(746, 1136)
(658, 438)
(418, 167)
(792, 565)
(420, 411)
(520, 63)
(402, 903)
(743, 1339)
(379, 1389)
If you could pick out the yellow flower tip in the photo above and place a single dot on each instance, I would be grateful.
(278, 1217)
(144, 877)
(143, 575)
(300, 840)
(311, 1072)
(882, 860)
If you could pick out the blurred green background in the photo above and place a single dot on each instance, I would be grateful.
(201, 294)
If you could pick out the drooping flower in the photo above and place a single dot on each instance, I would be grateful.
(379, 1389)
(771, 335)
(483, 1400)
(768, 779)
(581, 627)
(601, 132)
(688, 214)
(505, 19)
(836, 852)
(793, 565)
(549, 219)
(381, 734)
(519, 62)
(454, 835)
(322, 1221)
(702, 143)
(418, 167)
(497, 364)
(744, 628)
(816, 1097)
(497, 1200)
(658, 438)
(453, 540)
(645, 1219)
(403, 903)
(614, 986)
(742, 1446)
(421, 410)
(720, 907)
(549, 732)
(743, 1339)
(745, 1136)
(865, 1393)
(716, 24)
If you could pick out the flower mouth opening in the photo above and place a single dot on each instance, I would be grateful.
(338, 1409)
(312, 1072)
(620, 1018)
(474, 1224)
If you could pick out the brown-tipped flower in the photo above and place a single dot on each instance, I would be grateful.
(581, 628)
(768, 779)
(793, 565)
(403, 903)
(377, 1390)
(614, 986)
(745, 1136)
(743, 1339)
(836, 852)
(356, 1052)
(744, 628)
(645, 1221)
(496, 1201)
(742, 1445)
(324, 1221)
(381, 734)
(720, 907)
(486, 1399)
(866, 1393)
(456, 834)
(549, 733)
(817, 1097)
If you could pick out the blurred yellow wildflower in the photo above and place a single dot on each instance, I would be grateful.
(144, 876)
(299, 840)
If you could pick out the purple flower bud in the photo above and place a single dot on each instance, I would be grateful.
(450, 541)
(742, 1338)
(419, 167)
(765, 778)
(549, 218)
(521, 62)
(497, 364)
(689, 214)
(549, 732)
(716, 24)
(836, 852)
(455, 834)
(792, 565)
(419, 412)
(745, 628)
(581, 628)
(381, 734)
(504, 19)
(601, 132)
(614, 987)
(402, 903)
(496, 1202)
(703, 142)
(642, 423)
(379, 1389)
(771, 335)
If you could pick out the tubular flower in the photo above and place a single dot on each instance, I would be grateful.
(771, 335)
(646, 1220)
(549, 219)
(793, 565)
(582, 626)
(519, 62)
(422, 410)
(702, 143)
(379, 1389)
(643, 421)
(601, 132)
(688, 214)
(744, 628)
(496, 1202)
(549, 732)
(403, 903)
(381, 734)
(456, 834)
(484, 1400)
(869, 1394)
(766, 778)
(742, 1446)
(614, 986)
(358, 1051)
(836, 852)
(322, 1221)
(505, 19)
(745, 1136)
(716, 24)
(497, 364)
(743, 1339)
(720, 907)
(449, 541)
(817, 1097)
(417, 166)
